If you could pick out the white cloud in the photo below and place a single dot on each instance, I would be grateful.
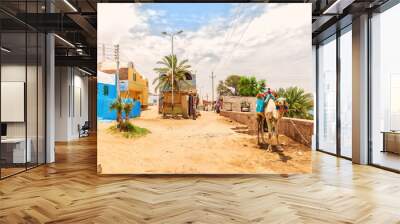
(275, 42)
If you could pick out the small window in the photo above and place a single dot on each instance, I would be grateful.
(105, 90)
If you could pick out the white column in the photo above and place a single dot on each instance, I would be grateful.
(50, 98)
(360, 90)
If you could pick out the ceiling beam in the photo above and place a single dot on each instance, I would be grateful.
(49, 22)
(337, 7)
(84, 24)
(76, 61)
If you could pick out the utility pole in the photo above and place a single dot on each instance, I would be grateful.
(207, 102)
(172, 60)
(212, 87)
(116, 57)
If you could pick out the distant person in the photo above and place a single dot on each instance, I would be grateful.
(218, 106)
(197, 100)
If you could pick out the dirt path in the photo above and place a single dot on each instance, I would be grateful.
(211, 144)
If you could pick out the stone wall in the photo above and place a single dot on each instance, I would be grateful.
(247, 118)
(232, 103)
(297, 129)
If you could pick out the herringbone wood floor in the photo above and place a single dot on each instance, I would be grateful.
(70, 191)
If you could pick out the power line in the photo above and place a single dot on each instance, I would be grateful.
(109, 58)
(233, 30)
(240, 39)
(124, 56)
(106, 44)
(237, 12)
(233, 26)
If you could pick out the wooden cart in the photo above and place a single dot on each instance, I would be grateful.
(180, 106)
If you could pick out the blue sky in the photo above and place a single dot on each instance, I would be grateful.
(188, 17)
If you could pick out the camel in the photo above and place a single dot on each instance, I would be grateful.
(273, 112)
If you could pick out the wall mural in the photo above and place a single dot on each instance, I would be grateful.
(204, 88)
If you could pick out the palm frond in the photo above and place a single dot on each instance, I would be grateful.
(171, 65)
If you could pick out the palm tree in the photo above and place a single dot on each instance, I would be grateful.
(118, 106)
(128, 106)
(171, 65)
(300, 102)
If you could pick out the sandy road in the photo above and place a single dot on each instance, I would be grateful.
(211, 144)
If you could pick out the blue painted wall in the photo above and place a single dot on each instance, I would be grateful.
(106, 95)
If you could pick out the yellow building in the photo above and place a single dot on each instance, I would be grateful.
(138, 86)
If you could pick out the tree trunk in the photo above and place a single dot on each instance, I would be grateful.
(119, 120)
(127, 117)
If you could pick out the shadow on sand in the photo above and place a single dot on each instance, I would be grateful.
(241, 129)
(276, 149)
(173, 117)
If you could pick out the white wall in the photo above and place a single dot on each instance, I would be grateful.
(71, 102)
(80, 109)
(62, 83)
(33, 126)
(10, 73)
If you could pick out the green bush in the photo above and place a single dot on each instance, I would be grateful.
(249, 86)
(301, 104)
(129, 130)
(134, 131)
